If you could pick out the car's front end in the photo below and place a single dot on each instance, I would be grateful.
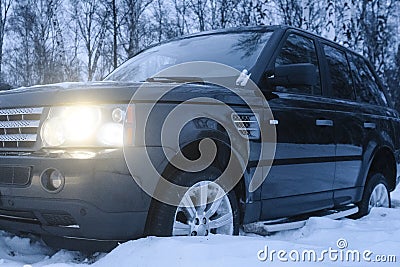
(62, 168)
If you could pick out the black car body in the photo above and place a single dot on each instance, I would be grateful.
(332, 135)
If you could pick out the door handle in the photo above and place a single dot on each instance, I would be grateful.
(324, 123)
(369, 125)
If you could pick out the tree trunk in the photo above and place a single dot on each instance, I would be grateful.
(4, 8)
(330, 32)
(115, 35)
(305, 4)
(347, 36)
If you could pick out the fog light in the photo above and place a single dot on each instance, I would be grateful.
(56, 179)
(52, 180)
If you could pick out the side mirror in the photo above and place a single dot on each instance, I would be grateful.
(294, 75)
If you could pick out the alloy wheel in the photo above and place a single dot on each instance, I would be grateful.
(205, 208)
(379, 197)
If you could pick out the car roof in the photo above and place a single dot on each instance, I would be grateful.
(282, 28)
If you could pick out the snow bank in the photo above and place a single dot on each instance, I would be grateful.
(379, 233)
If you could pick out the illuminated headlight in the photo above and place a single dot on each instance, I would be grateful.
(111, 134)
(84, 126)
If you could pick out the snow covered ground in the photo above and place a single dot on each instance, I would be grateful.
(371, 237)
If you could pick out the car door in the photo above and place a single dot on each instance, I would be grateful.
(365, 124)
(349, 129)
(301, 177)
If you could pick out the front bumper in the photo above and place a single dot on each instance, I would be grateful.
(99, 201)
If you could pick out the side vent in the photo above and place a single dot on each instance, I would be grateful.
(247, 125)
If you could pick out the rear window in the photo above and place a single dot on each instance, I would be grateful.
(367, 89)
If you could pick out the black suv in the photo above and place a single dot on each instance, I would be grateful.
(74, 157)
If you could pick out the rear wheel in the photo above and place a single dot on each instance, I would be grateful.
(376, 194)
(206, 208)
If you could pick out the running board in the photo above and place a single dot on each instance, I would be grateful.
(267, 227)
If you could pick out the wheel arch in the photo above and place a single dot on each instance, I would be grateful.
(383, 161)
(190, 151)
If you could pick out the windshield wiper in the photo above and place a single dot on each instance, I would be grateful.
(173, 79)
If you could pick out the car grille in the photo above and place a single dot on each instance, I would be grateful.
(59, 219)
(19, 127)
(12, 175)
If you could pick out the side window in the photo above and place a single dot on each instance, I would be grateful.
(299, 49)
(367, 90)
(339, 71)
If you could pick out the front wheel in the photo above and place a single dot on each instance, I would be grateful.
(376, 194)
(195, 217)
(206, 208)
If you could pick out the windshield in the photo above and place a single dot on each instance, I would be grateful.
(238, 50)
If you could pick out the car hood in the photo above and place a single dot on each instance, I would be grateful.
(118, 92)
(67, 93)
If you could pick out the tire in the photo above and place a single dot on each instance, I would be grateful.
(376, 194)
(190, 220)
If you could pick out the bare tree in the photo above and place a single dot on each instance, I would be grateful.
(116, 19)
(49, 37)
(47, 42)
(180, 7)
(38, 45)
(376, 31)
(290, 11)
(305, 4)
(244, 7)
(162, 26)
(346, 29)
(134, 10)
(91, 18)
(21, 65)
(222, 13)
(330, 31)
(4, 11)
(73, 64)
(115, 33)
(199, 9)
